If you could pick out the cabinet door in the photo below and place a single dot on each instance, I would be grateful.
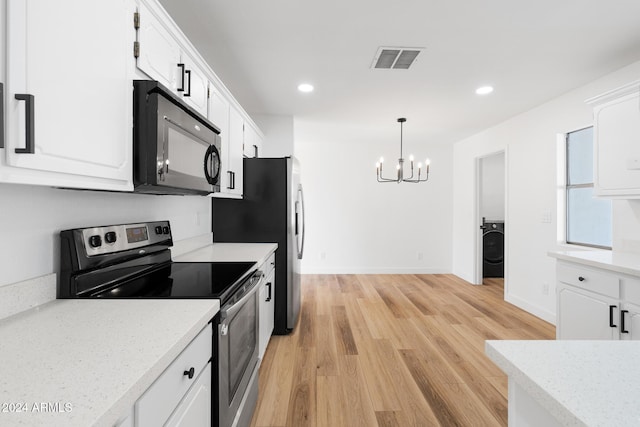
(73, 119)
(194, 92)
(236, 139)
(631, 322)
(617, 151)
(219, 116)
(583, 315)
(159, 52)
(252, 142)
(195, 409)
(267, 301)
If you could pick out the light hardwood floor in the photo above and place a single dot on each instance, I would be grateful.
(392, 350)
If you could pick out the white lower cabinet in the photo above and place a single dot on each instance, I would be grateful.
(584, 315)
(267, 304)
(195, 408)
(181, 396)
(596, 304)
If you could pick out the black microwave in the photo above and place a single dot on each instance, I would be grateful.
(176, 150)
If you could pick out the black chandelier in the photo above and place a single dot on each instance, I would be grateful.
(400, 166)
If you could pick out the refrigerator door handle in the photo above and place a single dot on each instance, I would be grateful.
(301, 240)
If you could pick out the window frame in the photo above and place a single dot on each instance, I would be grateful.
(567, 187)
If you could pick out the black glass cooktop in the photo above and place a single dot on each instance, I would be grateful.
(178, 280)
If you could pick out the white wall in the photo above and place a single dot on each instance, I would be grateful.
(278, 134)
(356, 225)
(492, 187)
(530, 143)
(32, 217)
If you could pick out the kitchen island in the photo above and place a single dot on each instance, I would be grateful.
(570, 383)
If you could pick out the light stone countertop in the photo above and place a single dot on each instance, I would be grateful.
(592, 383)
(95, 356)
(230, 252)
(619, 262)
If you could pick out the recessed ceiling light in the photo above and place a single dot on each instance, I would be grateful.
(484, 90)
(305, 87)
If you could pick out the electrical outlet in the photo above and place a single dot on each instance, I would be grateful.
(323, 256)
(420, 256)
(545, 288)
(545, 217)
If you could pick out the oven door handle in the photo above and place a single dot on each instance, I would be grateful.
(250, 291)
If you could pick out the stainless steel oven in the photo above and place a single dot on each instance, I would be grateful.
(134, 261)
(238, 355)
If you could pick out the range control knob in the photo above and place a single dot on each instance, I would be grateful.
(158, 229)
(110, 237)
(165, 229)
(95, 241)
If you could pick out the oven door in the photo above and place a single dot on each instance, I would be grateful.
(238, 354)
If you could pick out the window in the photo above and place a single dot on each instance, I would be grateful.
(588, 218)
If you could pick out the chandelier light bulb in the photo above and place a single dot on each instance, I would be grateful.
(411, 158)
(398, 167)
(378, 165)
(427, 162)
(419, 165)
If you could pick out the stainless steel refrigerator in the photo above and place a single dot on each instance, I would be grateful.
(272, 210)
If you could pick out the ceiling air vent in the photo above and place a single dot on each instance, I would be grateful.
(399, 58)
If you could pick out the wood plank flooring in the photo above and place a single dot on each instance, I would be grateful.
(392, 350)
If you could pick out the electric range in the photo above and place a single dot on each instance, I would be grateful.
(134, 261)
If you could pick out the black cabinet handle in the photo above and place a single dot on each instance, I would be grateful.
(580, 278)
(29, 123)
(255, 150)
(181, 88)
(269, 294)
(1, 115)
(611, 324)
(622, 329)
(190, 373)
(188, 73)
(232, 180)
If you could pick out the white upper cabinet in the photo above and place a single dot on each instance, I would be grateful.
(195, 85)
(70, 66)
(219, 116)
(68, 94)
(162, 57)
(617, 142)
(236, 139)
(252, 142)
(159, 53)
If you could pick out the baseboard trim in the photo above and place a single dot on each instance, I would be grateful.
(314, 270)
(530, 308)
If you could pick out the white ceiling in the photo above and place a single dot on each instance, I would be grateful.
(529, 51)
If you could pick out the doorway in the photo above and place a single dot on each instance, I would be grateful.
(491, 216)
